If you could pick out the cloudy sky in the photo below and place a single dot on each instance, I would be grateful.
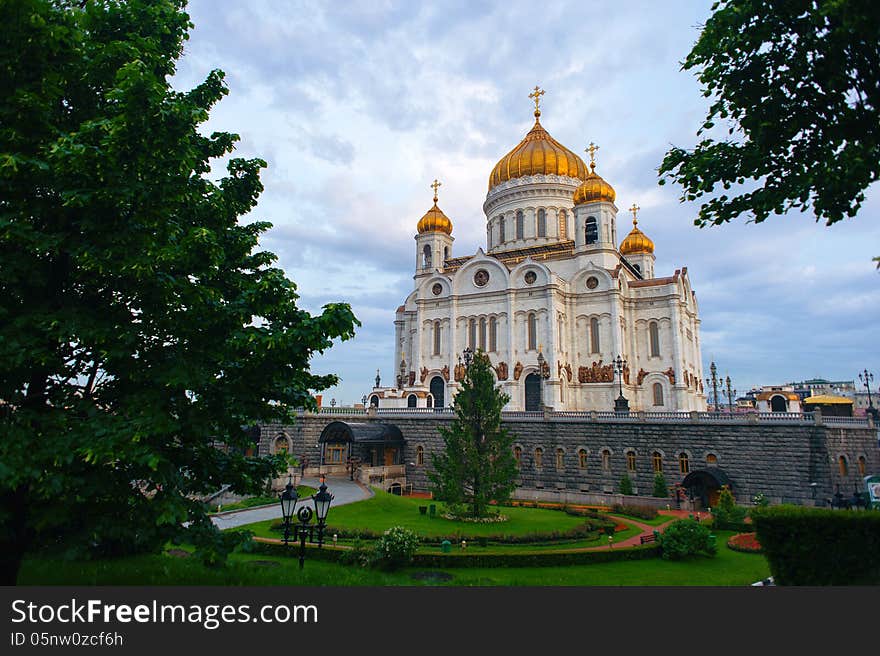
(358, 106)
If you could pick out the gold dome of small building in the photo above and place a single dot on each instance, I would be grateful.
(537, 154)
(435, 220)
(594, 189)
(636, 241)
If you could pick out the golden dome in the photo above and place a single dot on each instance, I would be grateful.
(594, 189)
(636, 241)
(538, 154)
(435, 220)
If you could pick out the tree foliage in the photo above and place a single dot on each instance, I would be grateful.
(798, 84)
(477, 464)
(139, 321)
(660, 487)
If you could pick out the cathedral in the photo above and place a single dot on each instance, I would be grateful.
(571, 318)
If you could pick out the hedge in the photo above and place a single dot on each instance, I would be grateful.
(440, 560)
(815, 546)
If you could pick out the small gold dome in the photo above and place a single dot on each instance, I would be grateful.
(435, 220)
(636, 241)
(594, 189)
(537, 154)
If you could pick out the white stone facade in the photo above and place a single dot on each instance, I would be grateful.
(547, 284)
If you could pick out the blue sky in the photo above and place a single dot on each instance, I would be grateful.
(358, 106)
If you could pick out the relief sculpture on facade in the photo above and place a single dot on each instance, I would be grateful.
(670, 374)
(459, 372)
(641, 376)
(501, 371)
(597, 373)
(424, 374)
(517, 371)
(445, 372)
(412, 378)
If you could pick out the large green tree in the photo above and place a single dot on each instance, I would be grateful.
(477, 464)
(140, 324)
(796, 84)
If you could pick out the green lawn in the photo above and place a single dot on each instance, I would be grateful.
(252, 502)
(386, 510)
(726, 569)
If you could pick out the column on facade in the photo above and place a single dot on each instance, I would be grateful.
(677, 365)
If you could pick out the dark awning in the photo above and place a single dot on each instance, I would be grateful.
(713, 475)
(361, 433)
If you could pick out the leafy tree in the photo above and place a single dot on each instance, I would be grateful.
(477, 465)
(626, 485)
(727, 513)
(139, 322)
(660, 488)
(798, 84)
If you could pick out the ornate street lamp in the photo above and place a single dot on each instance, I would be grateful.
(713, 383)
(364, 400)
(333, 403)
(468, 357)
(304, 530)
(378, 379)
(731, 395)
(543, 368)
(621, 404)
(867, 377)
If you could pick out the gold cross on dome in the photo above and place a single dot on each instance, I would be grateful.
(592, 150)
(536, 96)
(436, 185)
(634, 209)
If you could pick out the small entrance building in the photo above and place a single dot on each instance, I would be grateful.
(830, 406)
(372, 444)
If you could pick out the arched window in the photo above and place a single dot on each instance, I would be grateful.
(539, 458)
(532, 331)
(637, 267)
(711, 459)
(520, 224)
(483, 334)
(563, 225)
(658, 394)
(436, 338)
(517, 455)
(501, 230)
(374, 401)
(591, 232)
(560, 459)
(438, 387)
(426, 257)
(683, 463)
(542, 223)
(582, 458)
(472, 334)
(594, 335)
(411, 401)
(493, 334)
(657, 461)
(654, 333)
(862, 466)
(606, 460)
(281, 444)
(429, 401)
(631, 461)
(841, 463)
(445, 254)
(420, 456)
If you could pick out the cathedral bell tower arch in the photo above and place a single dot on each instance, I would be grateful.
(433, 239)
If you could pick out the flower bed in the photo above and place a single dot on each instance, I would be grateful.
(745, 542)
(491, 519)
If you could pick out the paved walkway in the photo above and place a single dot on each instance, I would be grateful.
(343, 490)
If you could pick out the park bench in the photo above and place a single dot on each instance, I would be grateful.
(645, 539)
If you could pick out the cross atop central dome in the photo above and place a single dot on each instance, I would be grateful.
(538, 154)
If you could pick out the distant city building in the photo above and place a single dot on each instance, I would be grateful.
(822, 387)
(777, 398)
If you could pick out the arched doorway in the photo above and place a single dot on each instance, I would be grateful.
(778, 404)
(411, 401)
(533, 393)
(438, 387)
(704, 485)
(374, 401)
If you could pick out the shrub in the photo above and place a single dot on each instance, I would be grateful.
(728, 515)
(396, 547)
(660, 489)
(817, 546)
(626, 486)
(642, 512)
(360, 555)
(684, 538)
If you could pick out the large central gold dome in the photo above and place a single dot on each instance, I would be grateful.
(538, 154)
